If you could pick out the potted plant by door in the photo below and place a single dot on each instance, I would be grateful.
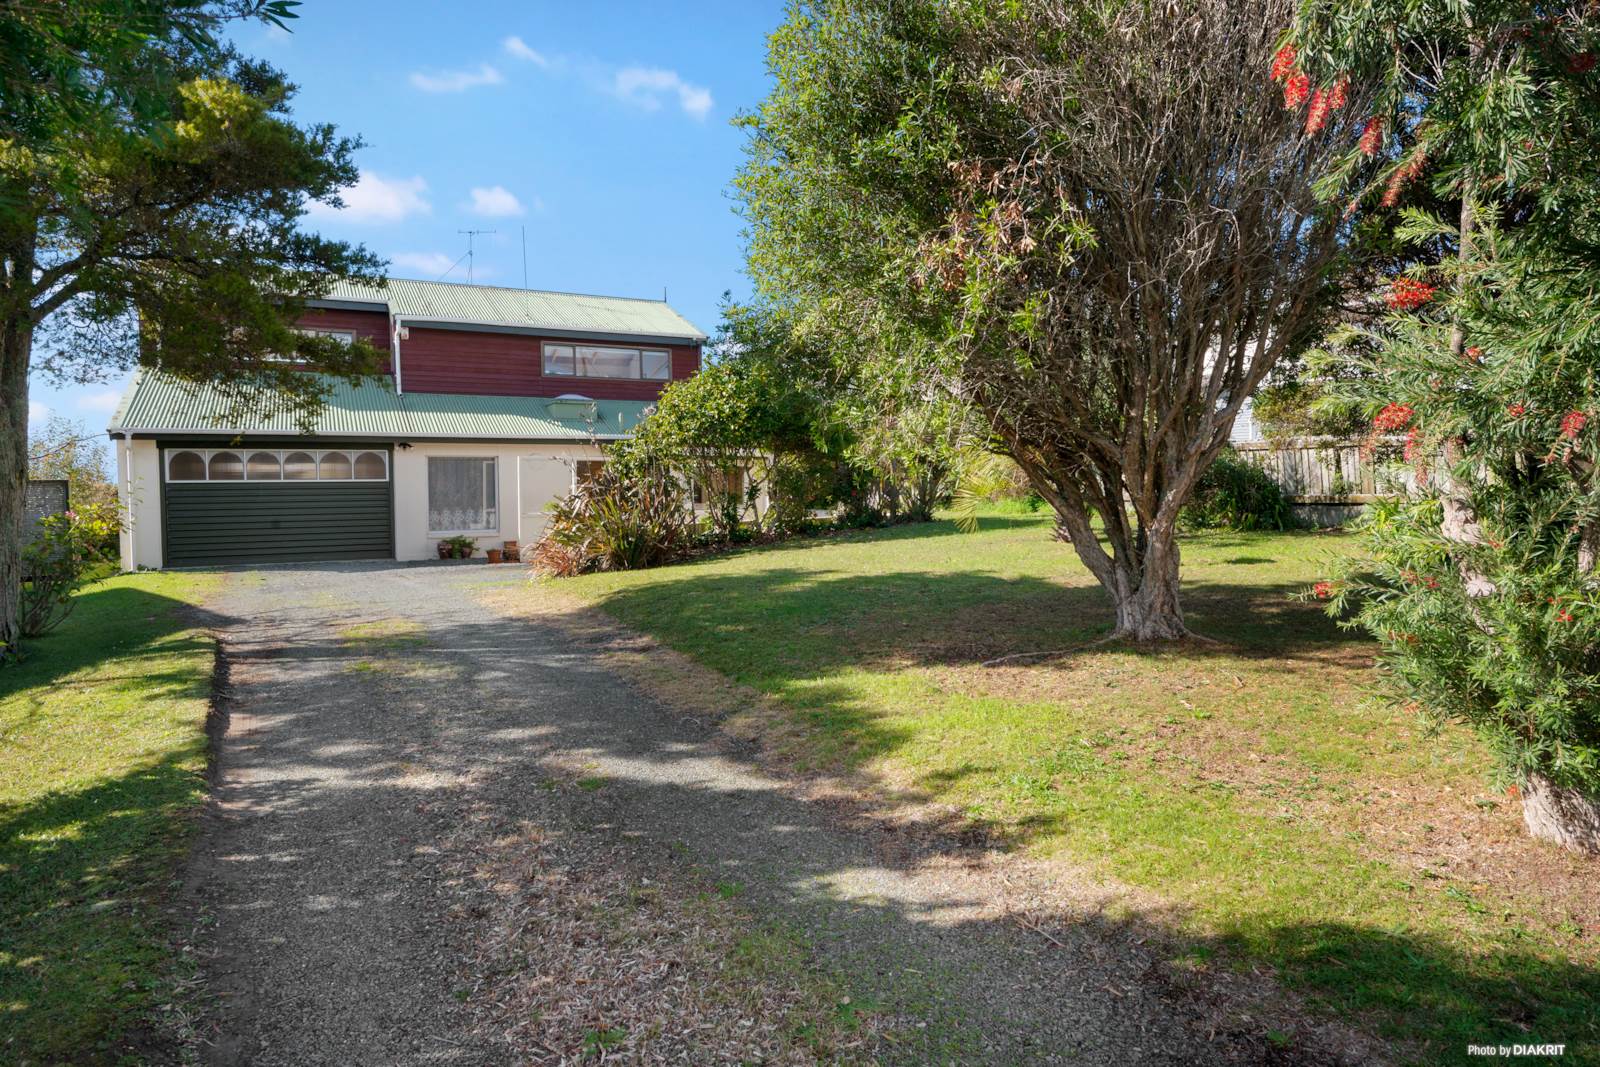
(461, 546)
(493, 554)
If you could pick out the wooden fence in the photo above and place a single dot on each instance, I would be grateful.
(1329, 479)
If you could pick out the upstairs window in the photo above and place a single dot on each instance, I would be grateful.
(594, 361)
(344, 337)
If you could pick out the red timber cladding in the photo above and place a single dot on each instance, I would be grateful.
(507, 364)
(373, 325)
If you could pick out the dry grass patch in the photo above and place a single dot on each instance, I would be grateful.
(593, 950)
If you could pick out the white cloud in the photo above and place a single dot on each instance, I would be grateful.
(456, 81)
(374, 198)
(427, 264)
(646, 87)
(105, 400)
(517, 48)
(37, 413)
(494, 201)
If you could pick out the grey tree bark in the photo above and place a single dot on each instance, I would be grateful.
(1564, 816)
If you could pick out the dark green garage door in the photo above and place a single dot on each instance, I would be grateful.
(230, 506)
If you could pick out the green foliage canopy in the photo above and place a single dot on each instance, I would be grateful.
(1481, 587)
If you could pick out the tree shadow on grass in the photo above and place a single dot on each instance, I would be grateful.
(83, 865)
(80, 876)
(107, 621)
(817, 619)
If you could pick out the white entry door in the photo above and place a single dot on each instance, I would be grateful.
(540, 479)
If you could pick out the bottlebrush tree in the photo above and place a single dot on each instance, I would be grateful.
(1481, 585)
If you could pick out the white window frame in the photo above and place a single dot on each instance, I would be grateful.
(245, 452)
(578, 463)
(638, 362)
(488, 480)
(348, 337)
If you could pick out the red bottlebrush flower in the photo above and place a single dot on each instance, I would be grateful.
(1582, 63)
(1322, 590)
(1296, 90)
(1564, 615)
(1572, 424)
(1413, 439)
(1516, 411)
(1283, 62)
(1371, 136)
(1474, 354)
(1338, 94)
(1405, 294)
(1317, 116)
(1402, 176)
(1393, 417)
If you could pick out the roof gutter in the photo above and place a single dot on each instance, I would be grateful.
(360, 435)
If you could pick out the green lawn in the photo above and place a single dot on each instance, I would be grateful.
(102, 766)
(1273, 809)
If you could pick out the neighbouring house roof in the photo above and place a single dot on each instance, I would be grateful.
(160, 403)
(530, 309)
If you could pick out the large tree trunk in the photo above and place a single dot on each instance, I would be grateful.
(16, 340)
(1146, 596)
(1565, 816)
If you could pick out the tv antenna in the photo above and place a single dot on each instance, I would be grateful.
(470, 235)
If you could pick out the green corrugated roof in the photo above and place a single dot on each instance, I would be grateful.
(523, 308)
(157, 402)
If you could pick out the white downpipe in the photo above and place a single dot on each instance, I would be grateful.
(130, 549)
(394, 354)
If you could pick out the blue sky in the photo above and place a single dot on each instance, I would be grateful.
(602, 128)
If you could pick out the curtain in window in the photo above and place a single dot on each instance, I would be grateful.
(461, 495)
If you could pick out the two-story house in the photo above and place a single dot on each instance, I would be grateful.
(488, 404)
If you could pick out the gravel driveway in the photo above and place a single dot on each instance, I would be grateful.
(369, 702)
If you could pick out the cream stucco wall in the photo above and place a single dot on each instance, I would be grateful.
(546, 473)
(139, 493)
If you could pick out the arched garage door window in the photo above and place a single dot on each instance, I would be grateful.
(275, 465)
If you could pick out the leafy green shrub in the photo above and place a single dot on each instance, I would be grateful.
(69, 549)
(1305, 409)
(800, 482)
(627, 516)
(1235, 494)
